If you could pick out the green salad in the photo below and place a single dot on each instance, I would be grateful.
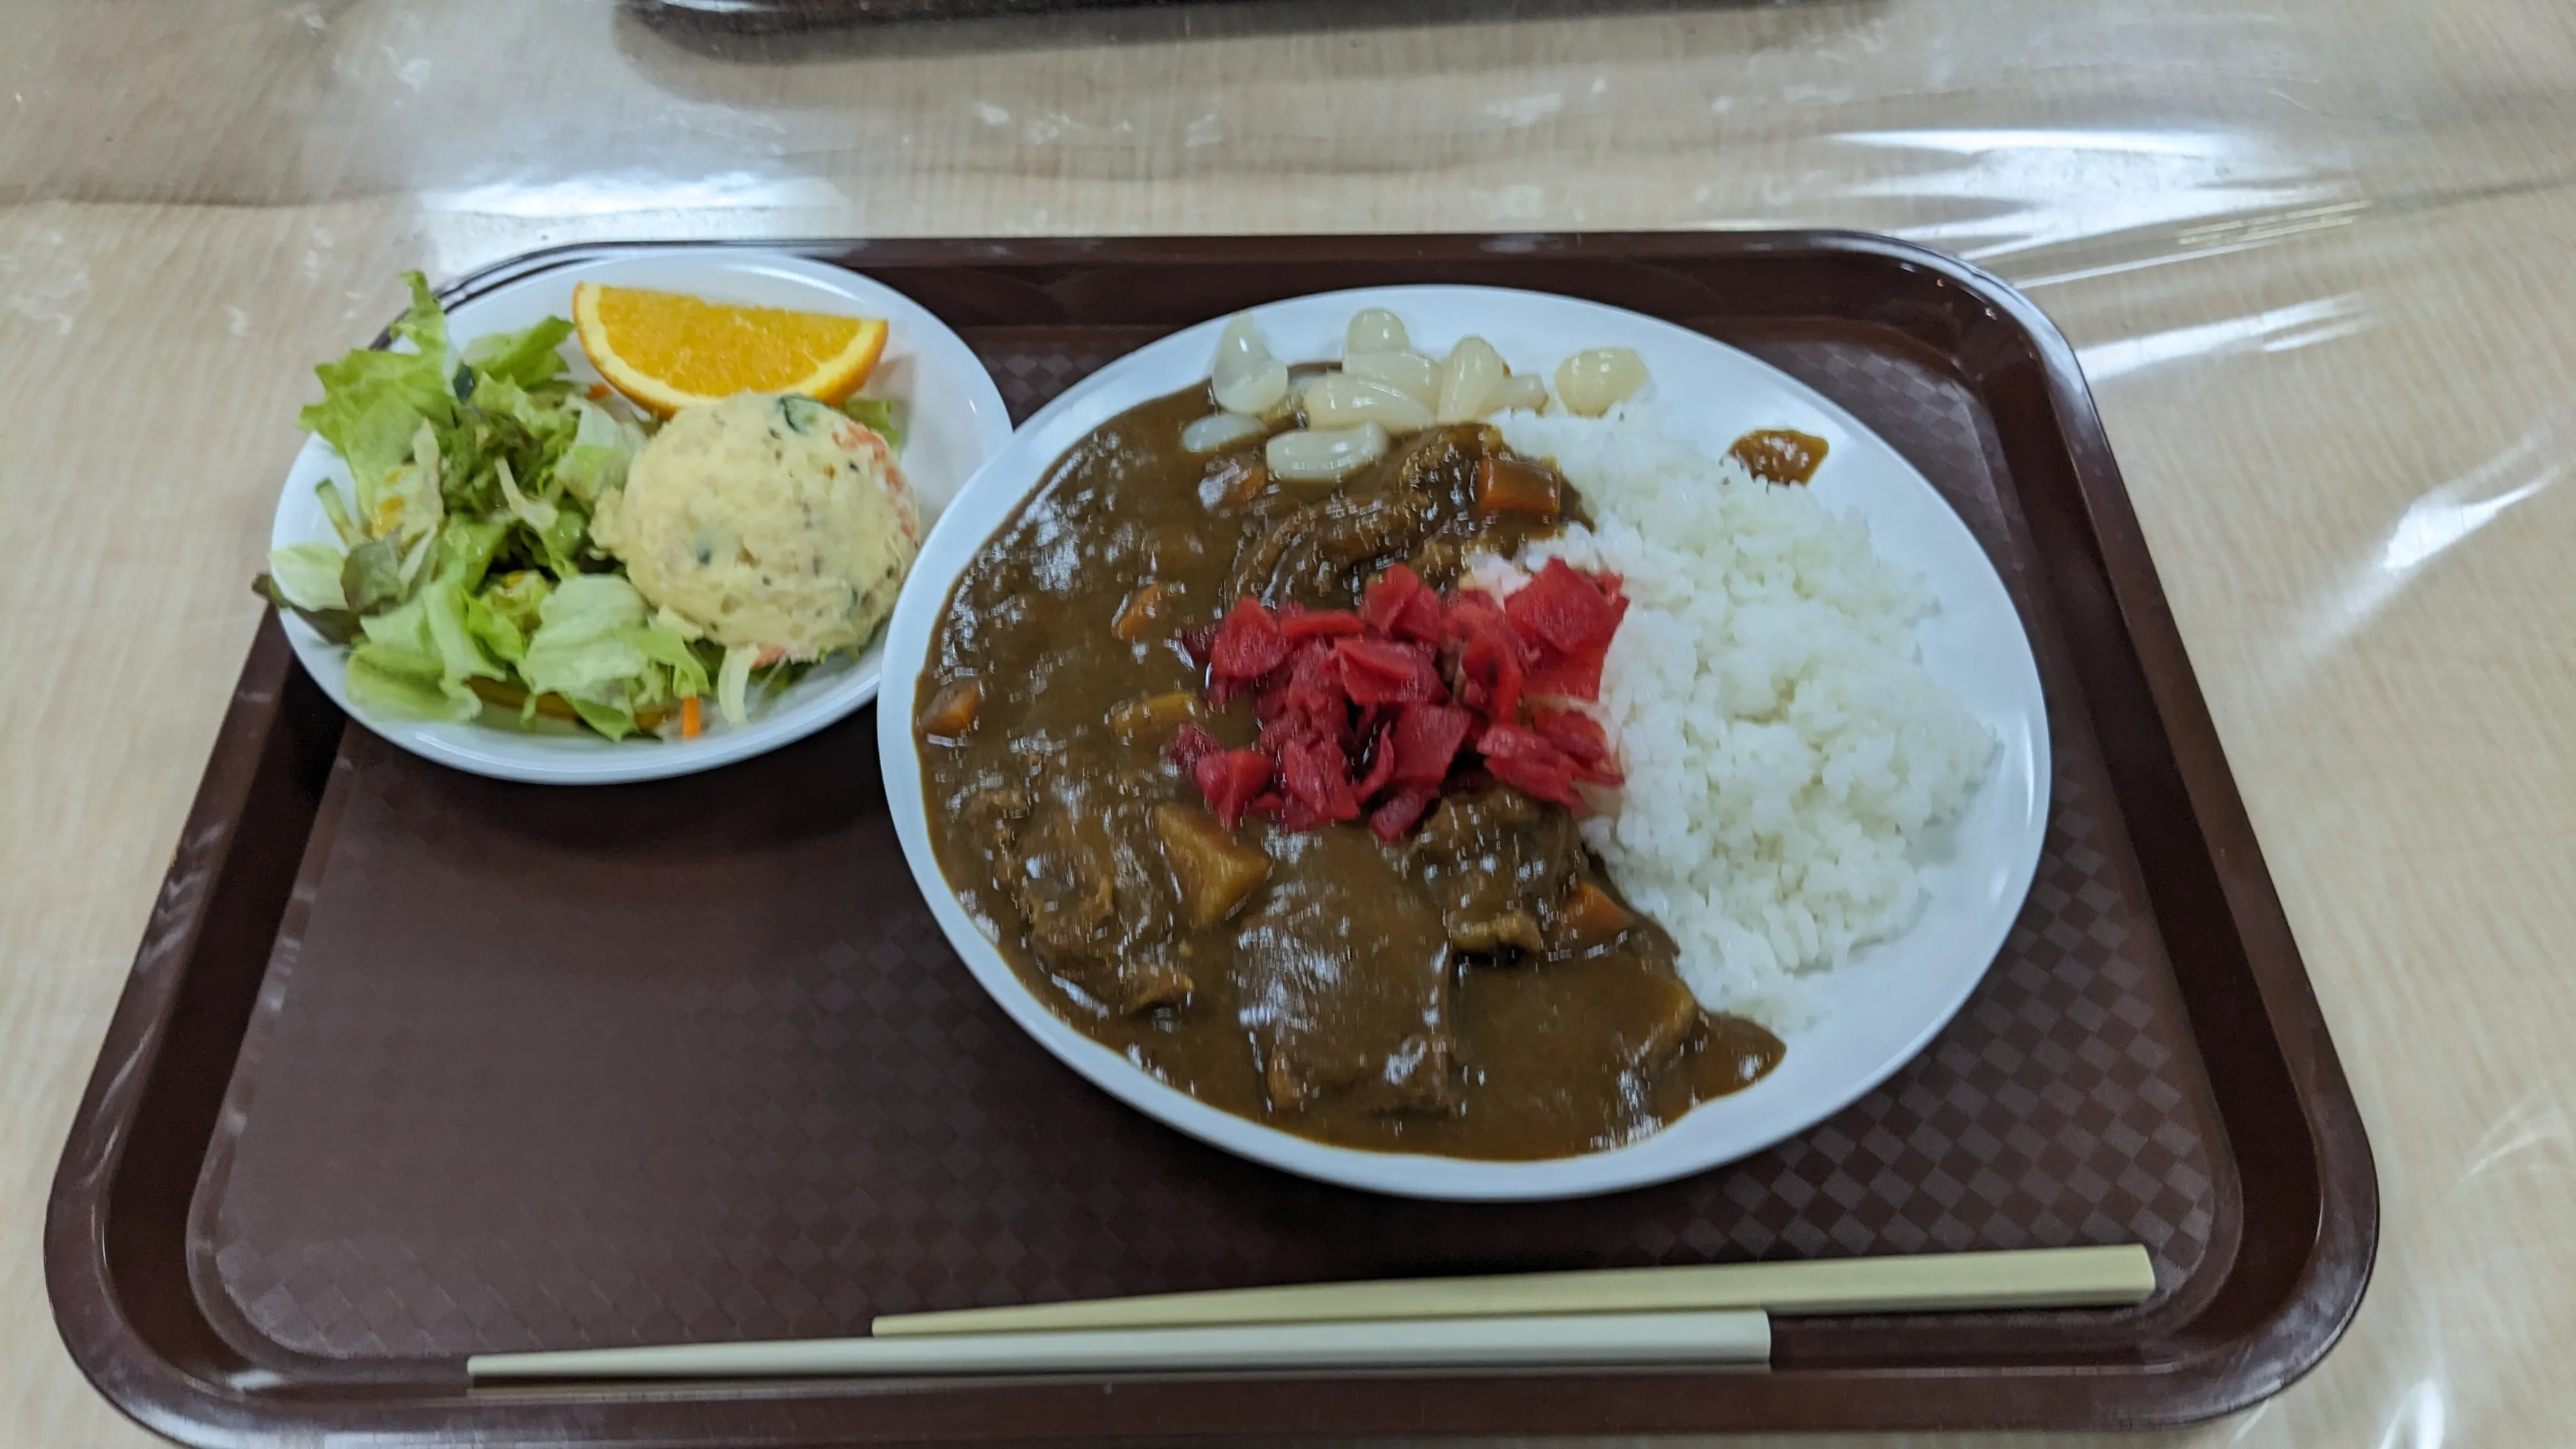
(463, 576)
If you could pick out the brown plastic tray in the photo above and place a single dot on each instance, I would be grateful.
(415, 1065)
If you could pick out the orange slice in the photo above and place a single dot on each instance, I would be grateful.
(667, 351)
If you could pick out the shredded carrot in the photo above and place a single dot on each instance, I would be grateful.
(689, 725)
(599, 391)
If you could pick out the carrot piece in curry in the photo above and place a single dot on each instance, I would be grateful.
(1157, 716)
(1589, 918)
(1138, 616)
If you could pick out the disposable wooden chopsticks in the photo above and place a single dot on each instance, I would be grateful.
(1714, 1339)
(1715, 1315)
(1932, 1282)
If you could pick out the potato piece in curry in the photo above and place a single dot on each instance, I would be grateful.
(1476, 988)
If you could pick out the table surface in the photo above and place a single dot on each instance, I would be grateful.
(2315, 254)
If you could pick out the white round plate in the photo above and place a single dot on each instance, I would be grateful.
(1866, 1019)
(956, 422)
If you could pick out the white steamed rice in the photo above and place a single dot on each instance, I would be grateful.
(1784, 746)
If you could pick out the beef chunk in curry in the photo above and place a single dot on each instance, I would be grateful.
(1416, 505)
(1343, 977)
(1498, 864)
(1476, 988)
(1094, 911)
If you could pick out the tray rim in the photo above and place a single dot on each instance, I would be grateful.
(2206, 1376)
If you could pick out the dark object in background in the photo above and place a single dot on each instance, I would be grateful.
(777, 17)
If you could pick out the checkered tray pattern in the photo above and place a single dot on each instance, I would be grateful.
(690, 1061)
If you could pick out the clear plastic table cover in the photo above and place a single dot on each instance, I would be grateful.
(2315, 254)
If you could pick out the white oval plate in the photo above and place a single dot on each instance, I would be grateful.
(957, 421)
(1868, 1019)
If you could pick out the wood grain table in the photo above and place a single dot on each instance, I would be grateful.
(2320, 257)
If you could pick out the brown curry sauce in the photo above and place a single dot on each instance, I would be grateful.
(1337, 1002)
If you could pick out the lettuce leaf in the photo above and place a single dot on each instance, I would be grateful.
(400, 682)
(666, 647)
(505, 614)
(519, 597)
(374, 402)
(339, 626)
(417, 657)
(527, 359)
(371, 576)
(504, 424)
(603, 444)
(443, 607)
(408, 507)
(424, 323)
(615, 720)
(594, 647)
(545, 421)
(307, 575)
(497, 632)
(884, 414)
(466, 547)
(584, 641)
(536, 513)
(561, 541)
(372, 405)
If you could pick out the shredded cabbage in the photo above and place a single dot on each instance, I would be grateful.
(734, 681)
